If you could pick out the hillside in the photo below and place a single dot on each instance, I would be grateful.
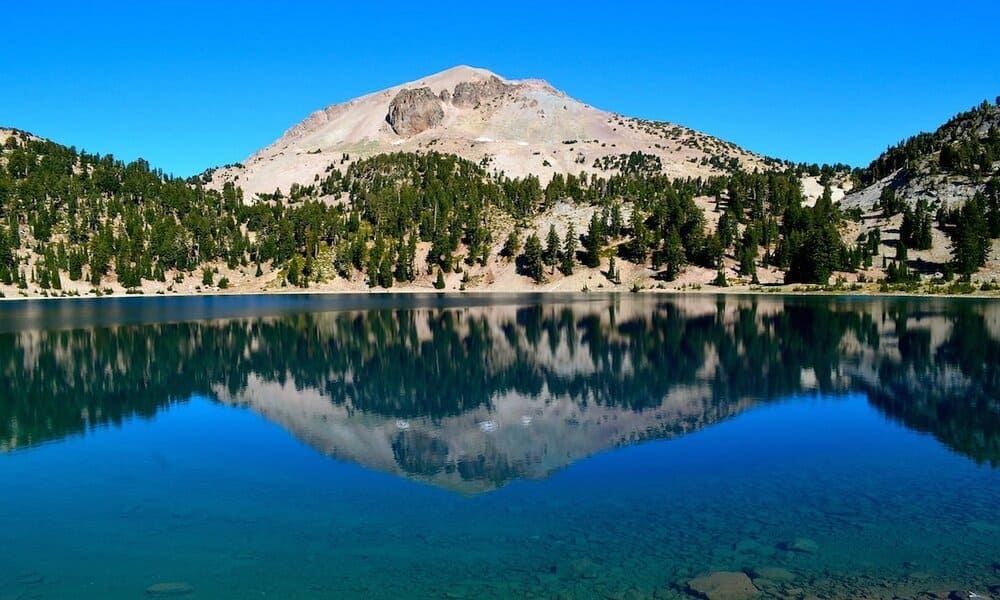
(935, 192)
(517, 128)
(400, 212)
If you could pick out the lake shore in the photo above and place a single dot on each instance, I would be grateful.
(870, 290)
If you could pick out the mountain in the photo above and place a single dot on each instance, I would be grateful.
(467, 181)
(518, 128)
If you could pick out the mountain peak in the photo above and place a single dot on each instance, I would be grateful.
(515, 127)
(456, 74)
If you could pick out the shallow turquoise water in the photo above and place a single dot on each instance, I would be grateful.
(523, 447)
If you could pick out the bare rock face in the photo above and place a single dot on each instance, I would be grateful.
(724, 585)
(470, 94)
(414, 110)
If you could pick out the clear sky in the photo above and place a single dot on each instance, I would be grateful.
(189, 85)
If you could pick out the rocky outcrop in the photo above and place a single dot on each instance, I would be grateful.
(470, 94)
(414, 110)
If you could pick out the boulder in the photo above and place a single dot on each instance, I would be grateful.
(723, 585)
(414, 110)
(801, 545)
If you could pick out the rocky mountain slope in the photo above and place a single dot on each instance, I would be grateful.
(939, 173)
(518, 128)
(946, 167)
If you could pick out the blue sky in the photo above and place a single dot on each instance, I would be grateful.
(191, 85)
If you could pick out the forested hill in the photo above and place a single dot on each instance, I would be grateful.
(937, 196)
(75, 223)
(968, 145)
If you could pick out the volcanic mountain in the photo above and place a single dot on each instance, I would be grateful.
(512, 127)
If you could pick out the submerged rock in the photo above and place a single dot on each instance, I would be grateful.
(750, 546)
(581, 568)
(967, 596)
(723, 585)
(30, 578)
(172, 589)
(801, 545)
(773, 573)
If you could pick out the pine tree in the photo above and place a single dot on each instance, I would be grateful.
(970, 238)
(748, 263)
(385, 272)
(439, 282)
(673, 254)
(613, 271)
(552, 245)
(615, 226)
(720, 279)
(511, 246)
(406, 260)
(568, 256)
(532, 259)
(593, 243)
(889, 202)
(726, 229)
(816, 257)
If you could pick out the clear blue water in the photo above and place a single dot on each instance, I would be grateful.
(435, 447)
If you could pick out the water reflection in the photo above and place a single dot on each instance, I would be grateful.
(470, 398)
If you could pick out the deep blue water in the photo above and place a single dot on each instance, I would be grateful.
(583, 446)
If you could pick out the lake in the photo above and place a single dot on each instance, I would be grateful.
(578, 446)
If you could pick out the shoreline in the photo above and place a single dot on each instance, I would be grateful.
(617, 290)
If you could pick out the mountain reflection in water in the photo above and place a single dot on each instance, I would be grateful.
(470, 398)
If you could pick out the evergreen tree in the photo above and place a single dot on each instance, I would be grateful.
(915, 231)
(512, 245)
(615, 225)
(889, 202)
(568, 256)
(593, 242)
(816, 258)
(291, 273)
(748, 262)
(673, 255)
(727, 229)
(532, 264)
(720, 279)
(552, 246)
(406, 260)
(970, 238)
(613, 271)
